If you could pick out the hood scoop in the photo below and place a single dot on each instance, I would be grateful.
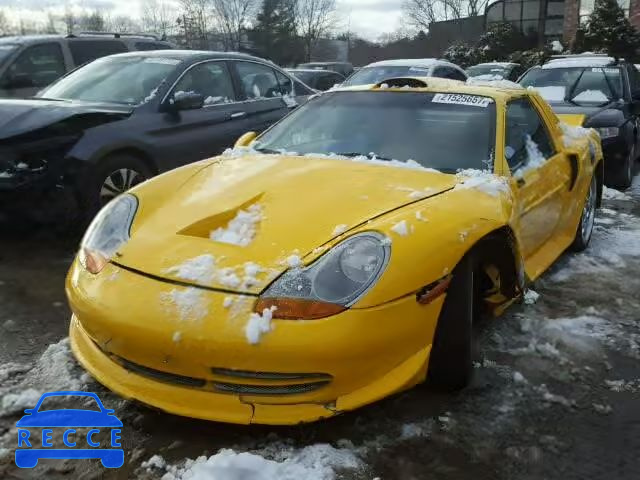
(236, 226)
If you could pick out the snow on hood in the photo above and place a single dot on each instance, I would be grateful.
(264, 209)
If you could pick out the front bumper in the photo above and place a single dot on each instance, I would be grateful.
(615, 152)
(123, 334)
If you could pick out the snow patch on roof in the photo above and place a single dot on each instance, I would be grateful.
(486, 182)
(495, 81)
(241, 229)
(258, 325)
(578, 61)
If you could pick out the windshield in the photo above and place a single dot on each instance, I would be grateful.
(123, 80)
(489, 70)
(7, 49)
(592, 86)
(368, 75)
(442, 131)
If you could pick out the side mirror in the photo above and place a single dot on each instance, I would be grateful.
(187, 101)
(245, 139)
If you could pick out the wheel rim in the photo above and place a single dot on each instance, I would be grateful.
(589, 211)
(117, 182)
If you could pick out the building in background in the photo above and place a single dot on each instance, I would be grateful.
(550, 20)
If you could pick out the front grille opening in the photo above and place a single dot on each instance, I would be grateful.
(162, 376)
(240, 389)
(228, 372)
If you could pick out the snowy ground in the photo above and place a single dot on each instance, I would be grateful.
(556, 392)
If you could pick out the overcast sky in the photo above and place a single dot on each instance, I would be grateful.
(368, 18)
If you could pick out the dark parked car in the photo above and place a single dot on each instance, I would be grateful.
(496, 71)
(122, 119)
(607, 93)
(30, 63)
(343, 68)
(318, 79)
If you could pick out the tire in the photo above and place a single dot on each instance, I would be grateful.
(112, 176)
(624, 177)
(450, 362)
(587, 219)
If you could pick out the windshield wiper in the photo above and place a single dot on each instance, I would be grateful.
(369, 155)
(48, 99)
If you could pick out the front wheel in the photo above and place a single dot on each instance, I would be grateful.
(450, 361)
(624, 177)
(587, 219)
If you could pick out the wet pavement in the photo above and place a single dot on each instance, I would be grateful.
(555, 395)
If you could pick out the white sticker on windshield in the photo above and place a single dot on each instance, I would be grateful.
(162, 61)
(459, 99)
(605, 70)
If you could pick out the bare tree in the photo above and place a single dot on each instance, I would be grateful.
(420, 13)
(158, 16)
(194, 22)
(51, 23)
(314, 20)
(232, 17)
(121, 24)
(5, 27)
(69, 20)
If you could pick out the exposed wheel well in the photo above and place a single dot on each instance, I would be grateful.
(497, 261)
(599, 173)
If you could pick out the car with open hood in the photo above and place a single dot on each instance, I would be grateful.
(122, 119)
(338, 258)
(602, 93)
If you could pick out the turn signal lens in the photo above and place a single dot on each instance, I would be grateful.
(92, 261)
(298, 308)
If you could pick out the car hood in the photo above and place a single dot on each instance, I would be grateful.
(18, 117)
(69, 418)
(603, 116)
(304, 203)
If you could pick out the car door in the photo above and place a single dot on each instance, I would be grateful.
(265, 100)
(185, 136)
(541, 174)
(634, 87)
(35, 68)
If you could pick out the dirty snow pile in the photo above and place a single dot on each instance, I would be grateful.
(241, 229)
(22, 386)
(496, 81)
(258, 324)
(613, 194)
(484, 181)
(572, 133)
(315, 462)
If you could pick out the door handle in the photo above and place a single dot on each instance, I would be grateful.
(238, 114)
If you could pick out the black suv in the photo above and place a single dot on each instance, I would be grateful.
(122, 119)
(607, 92)
(30, 63)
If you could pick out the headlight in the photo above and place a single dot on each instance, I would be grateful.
(107, 233)
(608, 132)
(332, 283)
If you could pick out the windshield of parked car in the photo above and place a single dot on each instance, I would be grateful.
(6, 49)
(589, 86)
(122, 80)
(494, 71)
(368, 75)
(306, 76)
(445, 131)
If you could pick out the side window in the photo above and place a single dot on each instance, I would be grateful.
(258, 81)
(286, 85)
(211, 80)
(37, 66)
(439, 72)
(326, 81)
(634, 80)
(523, 122)
(456, 75)
(84, 51)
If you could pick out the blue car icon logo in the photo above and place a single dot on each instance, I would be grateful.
(101, 440)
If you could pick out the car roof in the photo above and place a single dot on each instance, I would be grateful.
(497, 64)
(443, 85)
(310, 70)
(325, 63)
(411, 62)
(582, 60)
(193, 54)
(22, 39)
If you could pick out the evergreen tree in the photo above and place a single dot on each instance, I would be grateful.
(463, 55)
(608, 30)
(500, 40)
(274, 33)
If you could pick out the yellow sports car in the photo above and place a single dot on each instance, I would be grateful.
(336, 259)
